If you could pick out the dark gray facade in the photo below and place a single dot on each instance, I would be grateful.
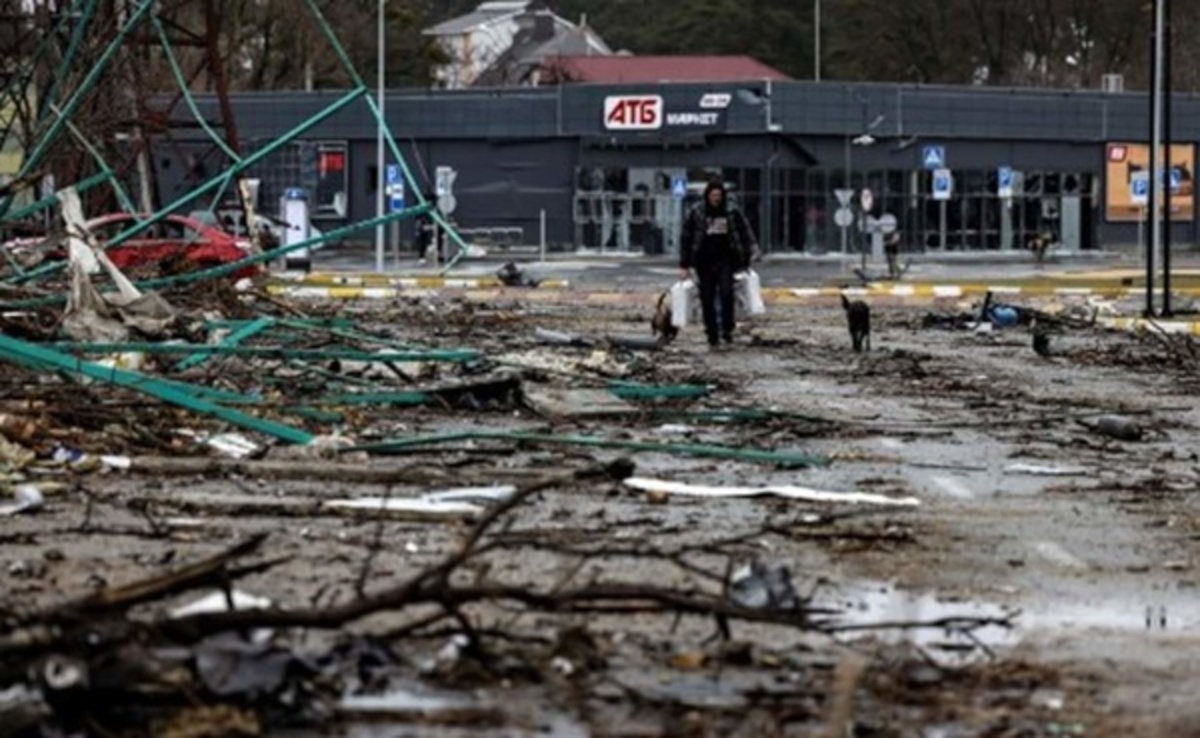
(785, 148)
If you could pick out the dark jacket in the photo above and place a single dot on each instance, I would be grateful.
(743, 245)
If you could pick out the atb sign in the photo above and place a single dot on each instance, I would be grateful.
(633, 113)
(943, 184)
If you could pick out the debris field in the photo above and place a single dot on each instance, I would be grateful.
(235, 514)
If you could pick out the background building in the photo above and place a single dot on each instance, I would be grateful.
(505, 43)
(613, 167)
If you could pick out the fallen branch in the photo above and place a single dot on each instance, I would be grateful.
(317, 471)
(206, 572)
(415, 591)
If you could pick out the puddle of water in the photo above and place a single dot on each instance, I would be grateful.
(1152, 615)
(402, 703)
(882, 604)
(422, 713)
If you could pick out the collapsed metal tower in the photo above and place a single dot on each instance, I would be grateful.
(76, 104)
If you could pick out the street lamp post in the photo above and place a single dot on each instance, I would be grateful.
(817, 40)
(1159, 187)
(381, 83)
(1167, 165)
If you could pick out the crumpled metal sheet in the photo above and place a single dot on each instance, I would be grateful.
(231, 667)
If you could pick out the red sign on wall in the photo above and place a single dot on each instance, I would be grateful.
(633, 113)
(330, 162)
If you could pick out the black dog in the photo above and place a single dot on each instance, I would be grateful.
(511, 276)
(1041, 340)
(858, 315)
(662, 324)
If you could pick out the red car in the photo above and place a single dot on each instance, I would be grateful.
(174, 236)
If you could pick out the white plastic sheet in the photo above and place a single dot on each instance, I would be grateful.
(218, 602)
(469, 502)
(785, 491)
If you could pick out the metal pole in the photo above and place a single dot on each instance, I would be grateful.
(380, 163)
(543, 235)
(1155, 154)
(1142, 230)
(817, 40)
(767, 108)
(1166, 124)
(846, 229)
(942, 223)
(395, 228)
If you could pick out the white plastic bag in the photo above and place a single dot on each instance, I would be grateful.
(749, 292)
(683, 302)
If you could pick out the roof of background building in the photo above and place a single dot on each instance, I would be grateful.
(654, 69)
(552, 38)
(485, 13)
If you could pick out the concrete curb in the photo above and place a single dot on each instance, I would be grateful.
(378, 281)
(931, 290)
(481, 293)
(1141, 325)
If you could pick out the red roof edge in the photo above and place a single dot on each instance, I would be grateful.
(655, 69)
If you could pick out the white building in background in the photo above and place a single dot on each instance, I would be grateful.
(496, 31)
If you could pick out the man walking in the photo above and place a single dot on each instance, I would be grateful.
(717, 243)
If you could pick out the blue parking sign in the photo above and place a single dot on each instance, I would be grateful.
(1004, 181)
(394, 189)
(943, 184)
(1139, 188)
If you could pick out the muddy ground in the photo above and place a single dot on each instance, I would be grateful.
(1086, 545)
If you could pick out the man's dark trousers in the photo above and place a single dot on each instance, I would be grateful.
(717, 298)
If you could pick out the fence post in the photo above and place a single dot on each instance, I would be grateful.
(543, 236)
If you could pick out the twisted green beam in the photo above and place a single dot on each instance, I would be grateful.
(68, 59)
(18, 83)
(85, 87)
(28, 354)
(268, 352)
(216, 183)
(181, 80)
(381, 121)
(105, 169)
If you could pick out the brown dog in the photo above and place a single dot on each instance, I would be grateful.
(662, 324)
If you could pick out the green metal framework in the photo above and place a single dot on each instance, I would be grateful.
(60, 105)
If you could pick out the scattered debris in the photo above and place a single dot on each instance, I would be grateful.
(761, 586)
(559, 338)
(577, 403)
(454, 504)
(1115, 426)
(28, 498)
(1047, 471)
